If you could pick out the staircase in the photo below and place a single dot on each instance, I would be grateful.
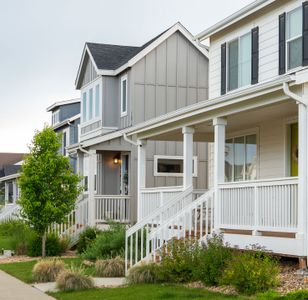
(9, 212)
(180, 217)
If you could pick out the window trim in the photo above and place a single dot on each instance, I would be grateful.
(55, 120)
(238, 38)
(159, 174)
(123, 78)
(67, 132)
(288, 40)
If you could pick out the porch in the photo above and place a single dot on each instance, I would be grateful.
(256, 171)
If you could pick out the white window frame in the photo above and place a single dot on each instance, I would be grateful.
(67, 131)
(288, 40)
(56, 117)
(157, 157)
(227, 63)
(123, 78)
(84, 113)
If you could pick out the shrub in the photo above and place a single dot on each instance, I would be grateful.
(46, 270)
(86, 238)
(53, 246)
(144, 274)
(110, 243)
(251, 272)
(74, 279)
(212, 260)
(65, 243)
(179, 260)
(114, 267)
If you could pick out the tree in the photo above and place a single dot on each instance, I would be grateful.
(48, 185)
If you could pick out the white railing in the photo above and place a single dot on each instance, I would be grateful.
(262, 205)
(152, 198)
(9, 212)
(112, 207)
(137, 246)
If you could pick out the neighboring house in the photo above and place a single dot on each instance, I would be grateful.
(256, 124)
(121, 87)
(65, 120)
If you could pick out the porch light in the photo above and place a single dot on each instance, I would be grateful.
(116, 160)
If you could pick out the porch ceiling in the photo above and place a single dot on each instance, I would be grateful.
(204, 131)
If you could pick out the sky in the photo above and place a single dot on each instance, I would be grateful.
(41, 43)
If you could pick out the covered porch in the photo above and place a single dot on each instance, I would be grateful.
(257, 173)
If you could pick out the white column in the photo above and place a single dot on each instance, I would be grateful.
(6, 192)
(188, 153)
(141, 176)
(14, 191)
(91, 187)
(219, 163)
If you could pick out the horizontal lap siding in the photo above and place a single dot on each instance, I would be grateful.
(268, 46)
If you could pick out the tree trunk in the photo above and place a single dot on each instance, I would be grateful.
(44, 245)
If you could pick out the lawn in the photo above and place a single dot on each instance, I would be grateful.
(23, 270)
(148, 292)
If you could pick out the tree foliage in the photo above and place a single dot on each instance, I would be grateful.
(49, 187)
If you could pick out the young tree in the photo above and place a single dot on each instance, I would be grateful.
(49, 187)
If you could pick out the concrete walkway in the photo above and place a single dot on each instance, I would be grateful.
(14, 289)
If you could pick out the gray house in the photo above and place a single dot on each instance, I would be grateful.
(65, 120)
(121, 87)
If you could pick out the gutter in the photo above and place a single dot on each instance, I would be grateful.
(297, 98)
(83, 150)
(131, 141)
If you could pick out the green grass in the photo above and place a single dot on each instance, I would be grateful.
(148, 292)
(23, 270)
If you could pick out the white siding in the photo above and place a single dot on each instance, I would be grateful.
(268, 45)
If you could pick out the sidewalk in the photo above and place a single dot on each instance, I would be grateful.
(14, 289)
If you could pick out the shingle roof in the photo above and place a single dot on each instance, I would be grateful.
(111, 57)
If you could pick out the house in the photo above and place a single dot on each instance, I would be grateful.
(65, 120)
(255, 123)
(122, 87)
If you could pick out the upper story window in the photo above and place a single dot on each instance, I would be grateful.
(84, 107)
(65, 141)
(124, 95)
(294, 38)
(56, 117)
(239, 62)
(97, 106)
(91, 102)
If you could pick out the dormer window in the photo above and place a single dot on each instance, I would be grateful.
(56, 117)
(294, 38)
(124, 96)
(239, 62)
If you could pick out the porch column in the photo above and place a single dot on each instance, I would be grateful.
(79, 167)
(6, 192)
(141, 176)
(188, 152)
(14, 191)
(219, 164)
(91, 187)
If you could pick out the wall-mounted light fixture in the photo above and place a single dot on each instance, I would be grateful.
(116, 159)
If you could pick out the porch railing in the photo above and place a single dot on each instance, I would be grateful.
(262, 205)
(112, 207)
(153, 198)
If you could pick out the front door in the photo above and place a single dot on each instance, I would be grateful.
(294, 149)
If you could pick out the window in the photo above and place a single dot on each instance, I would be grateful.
(123, 95)
(90, 104)
(241, 158)
(171, 166)
(56, 117)
(294, 38)
(97, 109)
(239, 62)
(65, 141)
(84, 107)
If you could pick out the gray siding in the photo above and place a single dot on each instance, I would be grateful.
(88, 72)
(69, 110)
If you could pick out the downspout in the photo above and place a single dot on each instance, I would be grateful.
(297, 98)
(131, 141)
(83, 150)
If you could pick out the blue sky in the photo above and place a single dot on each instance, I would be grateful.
(41, 42)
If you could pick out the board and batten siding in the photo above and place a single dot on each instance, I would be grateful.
(267, 21)
(89, 73)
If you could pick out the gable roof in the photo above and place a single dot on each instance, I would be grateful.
(110, 60)
(60, 103)
(10, 158)
(237, 16)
